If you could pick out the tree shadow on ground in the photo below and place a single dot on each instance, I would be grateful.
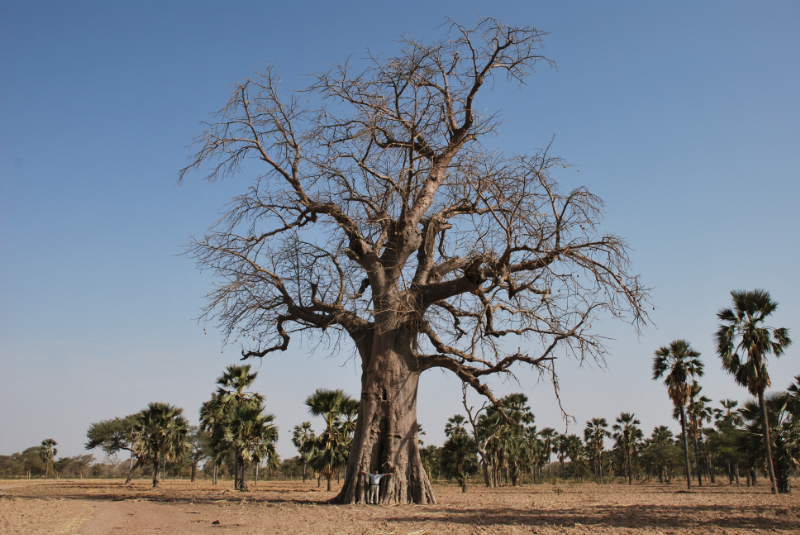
(623, 516)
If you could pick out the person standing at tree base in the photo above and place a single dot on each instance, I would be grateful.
(374, 496)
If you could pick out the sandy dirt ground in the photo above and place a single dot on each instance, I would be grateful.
(101, 507)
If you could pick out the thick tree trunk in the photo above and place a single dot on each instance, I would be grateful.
(686, 449)
(385, 438)
(194, 472)
(139, 463)
(767, 440)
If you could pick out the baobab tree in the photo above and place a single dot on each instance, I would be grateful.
(378, 220)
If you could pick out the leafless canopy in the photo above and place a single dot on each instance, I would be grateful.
(380, 209)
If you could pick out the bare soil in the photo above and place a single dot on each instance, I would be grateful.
(100, 507)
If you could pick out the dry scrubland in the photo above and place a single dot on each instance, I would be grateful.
(94, 507)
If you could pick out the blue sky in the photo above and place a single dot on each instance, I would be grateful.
(682, 116)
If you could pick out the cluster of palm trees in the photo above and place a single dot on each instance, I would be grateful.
(743, 344)
(764, 433)
(507, 451)
(327, 453)
(235, 424)
(507, 447)
(234, 428)
(502, 441)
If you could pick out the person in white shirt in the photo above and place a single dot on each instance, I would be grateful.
(375, 486)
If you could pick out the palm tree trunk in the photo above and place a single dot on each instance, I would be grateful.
(630, 470)
(697, 458)
(600, 457)
(46, 469)
(686, 448)
(767, 439)
(156, 462)
(215, 473)
(304, 473)
(242, 481)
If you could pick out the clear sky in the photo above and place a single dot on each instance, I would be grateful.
(683, 116)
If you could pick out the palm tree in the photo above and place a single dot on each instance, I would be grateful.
(627, 432)
(301, 437)
(794, 394)
(458, 457)
(728, 414)
(531, 453)
(212, 421)
(743, 335)
(596, 430)
(784, 431)
(548, 435)
(455, 426)
(161, 431)
(47, 452)
(333, 443)
(698, 411)
(560, 448)
(430, 460)
(677, 363)
(236, 422)
(508, 430)
(252, 436)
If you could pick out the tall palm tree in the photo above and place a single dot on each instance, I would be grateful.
(784, 430)
(548, 435)
(303, 435)
(236, 422)
(677, 363)
(560, 448)
(728, 414)
(455, 425)
(47, 452)
(573, 448)
(697, 412)
(252, 436)
(627, 432)
(596, 430)
(212, 421)
(161, 432)
(532, 450)
(333, 443)
(743, 344)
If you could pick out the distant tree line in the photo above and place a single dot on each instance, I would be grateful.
(498, 441)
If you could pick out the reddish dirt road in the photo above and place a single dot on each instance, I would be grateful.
(93, 507)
